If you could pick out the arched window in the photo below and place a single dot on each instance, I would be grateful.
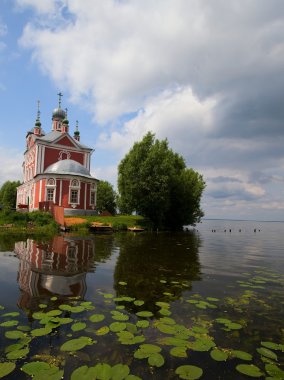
(50, 190)
(74, 192)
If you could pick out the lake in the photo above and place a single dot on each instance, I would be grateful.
(207, 303)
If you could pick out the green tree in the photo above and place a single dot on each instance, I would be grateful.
(106, 197)
(8, 194)
(154, 181)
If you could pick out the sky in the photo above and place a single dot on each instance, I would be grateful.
(207, 75)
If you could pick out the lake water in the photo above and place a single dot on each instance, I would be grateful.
(210, 298)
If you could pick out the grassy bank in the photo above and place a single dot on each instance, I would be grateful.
(33, 223)
(118, 222)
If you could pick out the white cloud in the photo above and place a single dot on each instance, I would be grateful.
(11, 165)
(40, 6)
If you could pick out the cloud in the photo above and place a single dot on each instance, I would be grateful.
(11, 165)
(206, 75)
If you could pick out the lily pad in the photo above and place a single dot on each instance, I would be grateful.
(156, 360)
(41, 332)
(33, 368)
(179, 352)
(6, 368)
(120, 371)
(274, 371)
(102, 331)
(18, 354)
(218, 355)
(189, 372)
(97, 318)
(9, 323)
(143, 323)
(76, 344)
(78, 326)
(145, 314)
(271, 345)
(249, 370)
(242, 355)
(117, 326)
(14, 334)
(12, 314)
(138, 303)
(267, 353)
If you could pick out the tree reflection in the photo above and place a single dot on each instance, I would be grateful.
(156, 266)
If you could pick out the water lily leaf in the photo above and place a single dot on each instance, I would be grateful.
(65, 307)
(103, 371)
(145, 313)
(18, 354)
(199, 330)
(165, 312)
(234, 326)
(54, 313)
(77, 309)
(166, 329)
(64, 321)
(102, 331)
(163, 305)
(12, 314)
(201, 345)
(9, 323)
(127, 299)
(33, 368)
(14, 347)
(120, 371)
(189, 372)
(24, 328)
(117, 326)
(78, 326)
(156, 360)
(85, 373)
(119, 316)
(168, 321)
(145, 350)
(179, 352)
(14, 334)
(123, 283)
(138, 303)
(39, 315)
(41, 332)
(108, 295)
(249, 370)
(241, 355)
(271, 345)
(223, 321)
(97, 318)
(132, 377)
(172, 341)
(267, 353)
(131, 328)
(6, 368)
(274, 371)
(143, 324)
(213, 299)
(163, 281)
(218, 355)
(53, 298)
(76, 344)
(42, 306)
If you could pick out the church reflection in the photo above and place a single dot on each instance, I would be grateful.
(56, 268)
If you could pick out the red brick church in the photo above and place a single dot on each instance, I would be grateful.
(56, 168)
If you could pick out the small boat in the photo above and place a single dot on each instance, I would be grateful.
(135, 229)
(100, 228)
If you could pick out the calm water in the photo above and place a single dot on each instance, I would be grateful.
(207, 293)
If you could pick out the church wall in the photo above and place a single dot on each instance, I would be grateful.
(52, 155)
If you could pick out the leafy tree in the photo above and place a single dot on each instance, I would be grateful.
(154, 181)
(8, 194)
(106, 197)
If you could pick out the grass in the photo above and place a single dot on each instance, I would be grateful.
(118, 222)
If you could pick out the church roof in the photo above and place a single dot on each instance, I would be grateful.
(53, 135)
(70, 167)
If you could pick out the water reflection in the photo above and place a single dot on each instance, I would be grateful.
(156, 266)
(57, 267)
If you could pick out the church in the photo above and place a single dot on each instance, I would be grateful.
(56, 168)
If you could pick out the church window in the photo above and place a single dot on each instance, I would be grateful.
(51, 182)
(75, 183)
(50, 194)
(92, 198)
(74, 196)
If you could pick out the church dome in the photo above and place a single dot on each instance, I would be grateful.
(68, 167)
(58, 113)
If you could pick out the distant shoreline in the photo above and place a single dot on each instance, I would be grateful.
(244, 220)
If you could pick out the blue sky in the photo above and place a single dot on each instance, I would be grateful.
(206, 75)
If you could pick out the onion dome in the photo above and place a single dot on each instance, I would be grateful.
(76, 132)
(38, 123)
(58, 113)
(65, 121)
